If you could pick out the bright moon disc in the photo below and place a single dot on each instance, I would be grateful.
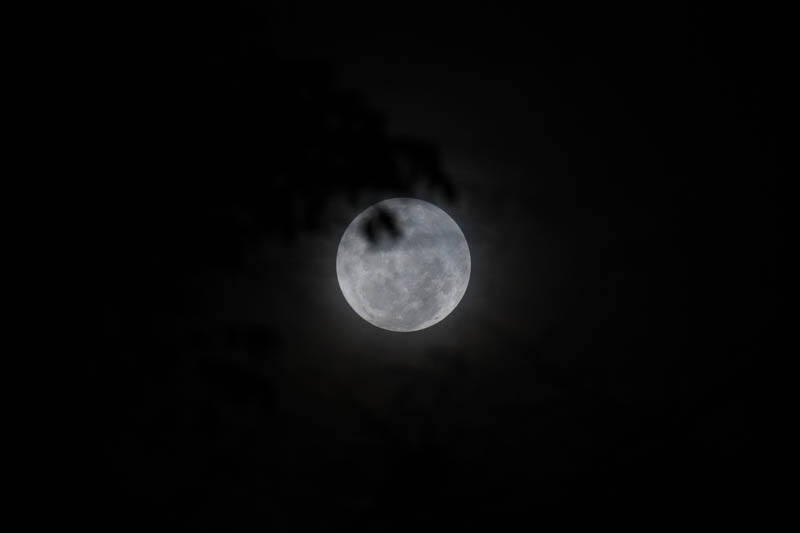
(403, 264)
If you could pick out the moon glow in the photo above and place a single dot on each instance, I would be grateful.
(407, 274)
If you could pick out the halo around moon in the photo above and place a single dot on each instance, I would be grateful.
(403, 264)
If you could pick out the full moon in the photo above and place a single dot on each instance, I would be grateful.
(403, 264)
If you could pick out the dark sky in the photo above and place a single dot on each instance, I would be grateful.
(614, 172)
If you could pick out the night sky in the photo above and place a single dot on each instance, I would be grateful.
(614, 171)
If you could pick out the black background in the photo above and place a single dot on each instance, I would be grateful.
(614, 171)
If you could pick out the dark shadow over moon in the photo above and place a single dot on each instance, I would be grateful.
(381, 227)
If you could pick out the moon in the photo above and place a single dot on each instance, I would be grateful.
(403, 264)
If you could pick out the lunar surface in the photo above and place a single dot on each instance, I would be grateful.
(403, 264)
